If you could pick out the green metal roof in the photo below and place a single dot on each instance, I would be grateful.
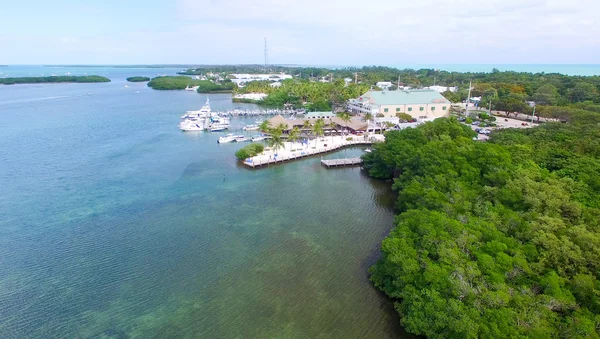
(413, 97)
(318, 114)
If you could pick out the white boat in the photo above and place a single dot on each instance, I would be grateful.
(368, 150)
(252, 127)
(259, 138)
(228, 138)
(203, 112)
(194, 88)
(191, 127)
(218, 128)
(242, 138)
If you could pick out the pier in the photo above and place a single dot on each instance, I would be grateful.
(258, 112)
(288, 153)
(341, 162)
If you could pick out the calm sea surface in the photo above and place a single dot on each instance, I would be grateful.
(114, 224)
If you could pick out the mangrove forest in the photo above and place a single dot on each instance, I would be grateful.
(497, 239)
(54, 79)
(138, 79)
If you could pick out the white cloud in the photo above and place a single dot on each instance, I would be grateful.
(341, 32)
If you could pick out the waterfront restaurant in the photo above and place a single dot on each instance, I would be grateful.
(422, 104)
(333, 124)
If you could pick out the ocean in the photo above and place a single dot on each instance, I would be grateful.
(115, 224)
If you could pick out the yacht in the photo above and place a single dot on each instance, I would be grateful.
(203, 112)
(193, 88)
(228, 138)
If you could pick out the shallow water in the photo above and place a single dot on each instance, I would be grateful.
(115, 224)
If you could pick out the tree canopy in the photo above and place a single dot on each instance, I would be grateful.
(138, 79)
(497, 239)
(53, 79)
(181, 82)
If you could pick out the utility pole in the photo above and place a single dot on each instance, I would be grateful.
(468, 98)
(533, 115)
(398, 84)
(490, 108)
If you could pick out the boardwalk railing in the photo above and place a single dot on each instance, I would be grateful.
(260, 161)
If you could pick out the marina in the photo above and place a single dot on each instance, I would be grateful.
(289, 153)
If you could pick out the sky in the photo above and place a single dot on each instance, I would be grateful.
(309, 32)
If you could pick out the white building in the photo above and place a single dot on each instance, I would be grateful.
(251, 96)
(245, 78)
(420, 104)
(384, 85)
(442, 89)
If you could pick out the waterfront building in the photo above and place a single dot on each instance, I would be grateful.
(333, 124)
(317, 115)
(424, 104)
(384, 85)
(442, 89)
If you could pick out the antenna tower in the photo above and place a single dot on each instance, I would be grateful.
(266, 56)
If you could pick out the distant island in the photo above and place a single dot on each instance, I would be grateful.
(182, 82)
(138, 79)
(53, 79)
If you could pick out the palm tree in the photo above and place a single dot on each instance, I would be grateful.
(294, 135)
(265, 126)
(306, 124)
(368, 117)
(281, 127)
(345, 118)
(318, 129)
(275, 141)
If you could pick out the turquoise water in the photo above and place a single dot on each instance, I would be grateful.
(114, 224)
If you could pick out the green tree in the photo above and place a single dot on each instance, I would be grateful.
(345, 117)
(583, 91)
(294, 135)
(265, 126)
(318, 129)
(546, 95)
(404, 117)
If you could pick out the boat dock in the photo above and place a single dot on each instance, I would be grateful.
(259, 112)
(286, 156)
(341, 162)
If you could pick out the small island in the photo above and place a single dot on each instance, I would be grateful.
(138, 79)
(184, 82)
(54, 79)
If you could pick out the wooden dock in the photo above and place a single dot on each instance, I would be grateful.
(341, 162)
(258, 161)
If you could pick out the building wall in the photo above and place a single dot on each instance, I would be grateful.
(430, 111)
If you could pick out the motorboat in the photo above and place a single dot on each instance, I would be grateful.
(252, 127)
(218, 128)
(229, 138)
(368, 150)
(191, 127)
(259, 138)
(242, 138)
